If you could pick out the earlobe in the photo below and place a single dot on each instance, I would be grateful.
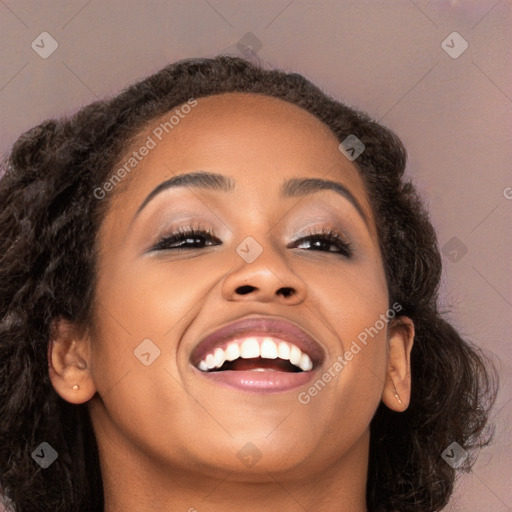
(397, 388)
(69, 362)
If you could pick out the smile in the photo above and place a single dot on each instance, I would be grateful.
(257, 364)
(257, 354)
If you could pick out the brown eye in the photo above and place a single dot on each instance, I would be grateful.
(325, 239)
(186, 238)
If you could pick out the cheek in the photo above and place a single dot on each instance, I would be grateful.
(352, 295)
(141, 312)
(148, 299)
(143, 307)
(352, 304)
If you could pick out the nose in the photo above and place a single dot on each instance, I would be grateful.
(266, 279)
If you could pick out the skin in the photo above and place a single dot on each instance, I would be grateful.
(168, 439)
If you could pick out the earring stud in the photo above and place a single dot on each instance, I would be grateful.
(396, 395)
(76, 387)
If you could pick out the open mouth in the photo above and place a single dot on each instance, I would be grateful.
(257, 354)
(259, 364)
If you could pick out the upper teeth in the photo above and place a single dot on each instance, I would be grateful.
(266, 347)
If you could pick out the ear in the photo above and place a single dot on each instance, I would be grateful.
(69, 353)
(398, 376)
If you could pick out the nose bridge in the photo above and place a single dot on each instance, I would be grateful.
(259, 220)
(262, 249)
(257, 236)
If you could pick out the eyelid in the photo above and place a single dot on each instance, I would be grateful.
(178, 226)
(317, 228)
(195, 225)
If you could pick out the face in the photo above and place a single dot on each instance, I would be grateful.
(156, 299)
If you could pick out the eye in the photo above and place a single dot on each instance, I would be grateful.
(185, 237)
(325, 239)
(195, 237)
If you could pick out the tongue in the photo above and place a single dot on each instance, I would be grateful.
(280, 365)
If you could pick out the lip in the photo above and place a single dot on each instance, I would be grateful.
(257, 326)
(264, 382)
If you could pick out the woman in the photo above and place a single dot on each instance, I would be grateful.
(219, 292)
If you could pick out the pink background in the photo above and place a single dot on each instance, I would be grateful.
(387, 58)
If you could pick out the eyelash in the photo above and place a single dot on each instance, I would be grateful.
(184, 232)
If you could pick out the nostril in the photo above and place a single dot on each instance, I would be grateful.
(243, 290)
(287, 291)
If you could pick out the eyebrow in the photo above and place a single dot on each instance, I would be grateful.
(294, 187)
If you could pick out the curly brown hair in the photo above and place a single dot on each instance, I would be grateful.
(49, 220)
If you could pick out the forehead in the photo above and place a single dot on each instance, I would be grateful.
(249, 136)
(261, 108)
(239, 117)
